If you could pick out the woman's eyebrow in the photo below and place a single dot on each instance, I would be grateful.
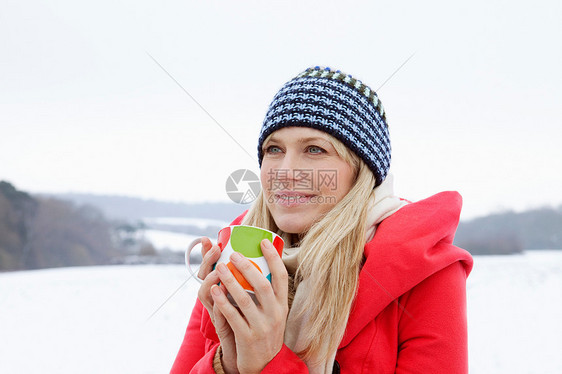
(313, 139)
(273, 139)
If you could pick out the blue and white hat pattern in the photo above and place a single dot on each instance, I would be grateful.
(336, 103)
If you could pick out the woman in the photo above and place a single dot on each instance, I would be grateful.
(368, 282)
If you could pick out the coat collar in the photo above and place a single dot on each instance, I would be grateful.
(408, 246)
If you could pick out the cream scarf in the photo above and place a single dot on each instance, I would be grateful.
(381, 206)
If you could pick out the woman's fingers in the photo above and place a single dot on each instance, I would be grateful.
(267, 293)
(206, 244)
(279, 276)
(261, 285)
(210, 257)
(236, 291)
(204, 293)
(221, 325)
(259, 329)
(228, 342)
(235, 320)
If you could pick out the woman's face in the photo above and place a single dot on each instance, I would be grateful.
(302, 177)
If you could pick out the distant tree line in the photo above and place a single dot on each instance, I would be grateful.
(44, 232)
(500, 233)
(134, 209)
(510, 232)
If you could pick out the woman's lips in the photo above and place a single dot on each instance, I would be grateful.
(292, 198)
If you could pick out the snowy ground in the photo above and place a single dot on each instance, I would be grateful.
(95, 320)
(92, 320)
(515, 313)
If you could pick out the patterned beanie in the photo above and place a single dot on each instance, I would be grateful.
(336, 103)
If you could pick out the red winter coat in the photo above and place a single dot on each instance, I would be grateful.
(409, 315)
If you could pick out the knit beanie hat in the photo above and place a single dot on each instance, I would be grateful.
(336, 103)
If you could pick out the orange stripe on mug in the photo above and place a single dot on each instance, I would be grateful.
(239, 277)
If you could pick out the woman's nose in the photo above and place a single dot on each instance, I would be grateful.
(293, 169)
(289, 161)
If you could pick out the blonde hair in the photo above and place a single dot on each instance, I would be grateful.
(331, 255)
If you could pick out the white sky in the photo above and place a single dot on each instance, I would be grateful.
(83, 108)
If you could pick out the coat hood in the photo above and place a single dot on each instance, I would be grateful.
(409, 246)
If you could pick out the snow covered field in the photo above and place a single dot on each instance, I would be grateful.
(515, 313)
(185, 221)
(170, 240)
(95, 319)
(174, 241)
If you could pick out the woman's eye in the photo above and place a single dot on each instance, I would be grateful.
(272, 149)
(315, 149)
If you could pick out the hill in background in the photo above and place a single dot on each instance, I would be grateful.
(499, 233)
(510, 232)
(135, 209)
(42, 231)
(38, 232)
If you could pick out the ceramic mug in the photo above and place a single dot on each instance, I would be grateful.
(246, 241)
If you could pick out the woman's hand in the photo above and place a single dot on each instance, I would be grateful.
(258, 330)
(211, 254)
